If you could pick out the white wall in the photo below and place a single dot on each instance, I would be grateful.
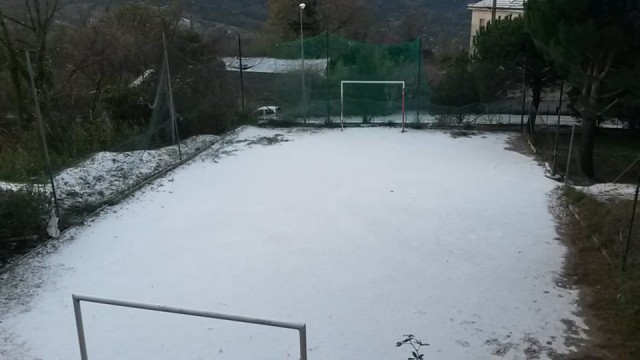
(478, 15)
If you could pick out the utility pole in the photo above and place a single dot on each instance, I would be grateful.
(493, 10)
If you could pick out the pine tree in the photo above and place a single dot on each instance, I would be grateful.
(593, 40)
(501, 50)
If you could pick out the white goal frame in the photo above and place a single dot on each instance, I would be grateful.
(370, 82)
(301, 328)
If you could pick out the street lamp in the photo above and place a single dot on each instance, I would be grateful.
(304, 98)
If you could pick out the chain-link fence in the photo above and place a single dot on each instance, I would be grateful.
(61, 170)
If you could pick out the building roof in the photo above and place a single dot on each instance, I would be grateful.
(500, 4)
(274, 66)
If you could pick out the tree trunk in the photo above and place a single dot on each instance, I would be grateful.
(14, 74)
(535, 105)
(587, 145)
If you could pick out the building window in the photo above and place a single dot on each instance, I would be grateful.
(482, 23)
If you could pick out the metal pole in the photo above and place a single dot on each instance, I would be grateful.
(241, 71)
(342, 106)
(633, 216)
(403, 107)
(560, 102)
(566, 174)
(42, 133)
(328, 94)
(304, 97)
(419, 81)
(303, 341)
(172, 109)
(80, 327)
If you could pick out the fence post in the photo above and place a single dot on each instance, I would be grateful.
(172, 107)
(241, 71)
(548, 111)
(419, 80)
(560, 102)
(633, 216)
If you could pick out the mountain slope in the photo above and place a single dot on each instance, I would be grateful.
(443, 23)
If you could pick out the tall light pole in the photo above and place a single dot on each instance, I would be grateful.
(304, 97)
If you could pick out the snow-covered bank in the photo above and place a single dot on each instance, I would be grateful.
(105, 174)
(609, 191)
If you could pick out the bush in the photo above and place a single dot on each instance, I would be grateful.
(22, 213)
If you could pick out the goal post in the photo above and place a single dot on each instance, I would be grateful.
(343, 82)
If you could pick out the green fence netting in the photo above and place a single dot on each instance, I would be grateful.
(329, 60)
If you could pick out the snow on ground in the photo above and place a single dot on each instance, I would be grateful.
(364, 235)
(610, 191)
(107, 174)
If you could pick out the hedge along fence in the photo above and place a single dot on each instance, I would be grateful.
(23, 215)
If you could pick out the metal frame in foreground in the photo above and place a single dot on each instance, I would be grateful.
(370, 82)
(302, 328)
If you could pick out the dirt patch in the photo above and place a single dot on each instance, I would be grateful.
(268, 140)
(615, 154)
(463, 133)
(611, 329)
(519, 143)
(529, 346)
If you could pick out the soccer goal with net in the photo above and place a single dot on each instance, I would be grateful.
(346, 82)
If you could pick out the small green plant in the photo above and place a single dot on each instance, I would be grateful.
(416, 344)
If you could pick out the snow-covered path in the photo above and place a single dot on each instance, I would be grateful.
(365, 235)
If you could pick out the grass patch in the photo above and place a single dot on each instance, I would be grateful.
(610, 297)
(22, 156)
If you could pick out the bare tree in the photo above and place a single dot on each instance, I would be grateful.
(348, 18)
(14, 68)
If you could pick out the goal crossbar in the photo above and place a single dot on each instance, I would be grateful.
(301, 328)
(390, 82)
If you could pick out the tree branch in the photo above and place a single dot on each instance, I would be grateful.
(608, 107)
(17, 22)
(605, 72)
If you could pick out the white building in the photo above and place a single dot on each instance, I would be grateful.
(482, 12)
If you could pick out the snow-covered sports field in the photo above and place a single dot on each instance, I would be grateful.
(364, 235)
